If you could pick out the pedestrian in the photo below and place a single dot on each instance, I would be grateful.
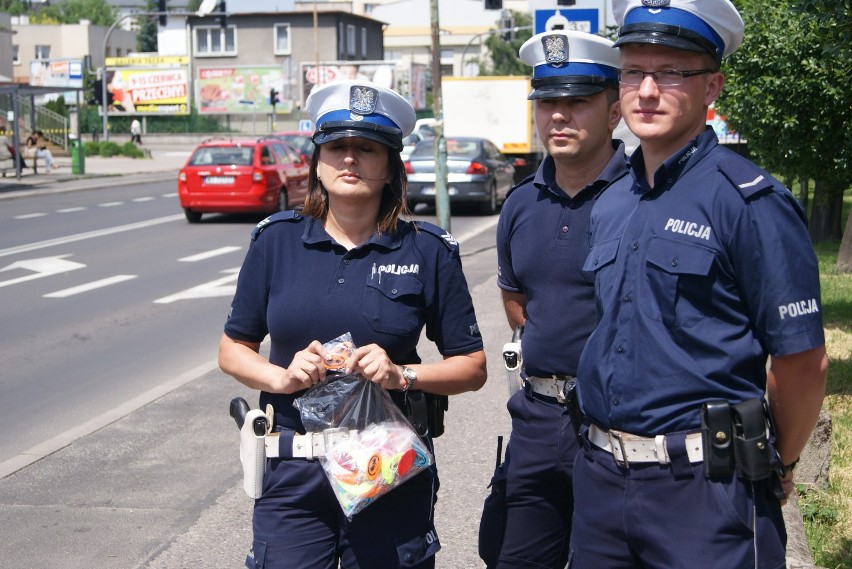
(37, 148)
(703, 270)
(349, 263)
(136, 131)
(541, 246)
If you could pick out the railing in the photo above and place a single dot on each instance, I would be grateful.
(53, 125)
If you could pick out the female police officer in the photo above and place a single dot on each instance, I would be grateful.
(349, 264)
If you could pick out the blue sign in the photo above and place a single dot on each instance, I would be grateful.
(305, 125)
(579, 19)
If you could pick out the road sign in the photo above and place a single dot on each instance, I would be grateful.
(305, 125)
(579, 19)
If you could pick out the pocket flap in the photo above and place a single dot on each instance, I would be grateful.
(679, 258)
(601, 255)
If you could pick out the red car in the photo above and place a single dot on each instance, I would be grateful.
(301, 140)
(239, 176)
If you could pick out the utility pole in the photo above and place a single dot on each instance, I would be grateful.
(442, 196)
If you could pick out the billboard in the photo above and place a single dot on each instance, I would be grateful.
(57, 73)
(148, 91)
(407, 79)
(236, 90)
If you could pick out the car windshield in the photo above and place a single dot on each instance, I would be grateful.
(296, 140)
(223, 156)
(455, 148)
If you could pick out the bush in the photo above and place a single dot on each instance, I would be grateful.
(110, 148)
(131, 150)
(92, 148)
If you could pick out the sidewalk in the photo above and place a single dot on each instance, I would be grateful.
(163, 164)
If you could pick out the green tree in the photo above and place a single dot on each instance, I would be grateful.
(146, 39)
(98, 12)
(13, 7)
(787, 93)
(502, 57)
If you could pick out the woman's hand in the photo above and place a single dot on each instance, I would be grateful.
(306, 369)
(373, 363)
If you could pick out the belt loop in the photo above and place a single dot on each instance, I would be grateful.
(662, 453)
(285, 443)
(676, 448)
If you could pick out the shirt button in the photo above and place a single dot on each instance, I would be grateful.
(340, 281)
(616, 401)
(675, 262)
(619, 349)
(393, 291)
(635, 245)
(668, 180)
(346, 261)
(564, 229)
(628, 297)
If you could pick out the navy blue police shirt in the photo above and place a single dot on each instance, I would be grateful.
(542, 242)
(298, 285)
(697, 281)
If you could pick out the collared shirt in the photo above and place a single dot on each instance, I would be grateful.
(542, 241)
(697, 281)
(298, 285)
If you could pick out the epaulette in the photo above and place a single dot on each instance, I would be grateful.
(526, 180)
(745, 176)
(442, 234)
(289, 215)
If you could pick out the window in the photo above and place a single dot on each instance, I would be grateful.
(15, 50)
(364, 42)
(350, 40)
(42, 52)
(282, 39)
(215, 41)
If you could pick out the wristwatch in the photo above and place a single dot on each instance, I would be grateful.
(788, 468)
(410, 377)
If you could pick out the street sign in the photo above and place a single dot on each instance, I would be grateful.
(578, 19)
(305, 125)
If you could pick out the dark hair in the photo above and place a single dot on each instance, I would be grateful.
(393, 205)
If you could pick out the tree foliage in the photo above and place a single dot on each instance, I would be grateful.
(13, 7)
(787, 93)
(146, 39)
(98, 12)
(502, 58)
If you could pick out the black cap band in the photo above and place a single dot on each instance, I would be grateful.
(334, 130)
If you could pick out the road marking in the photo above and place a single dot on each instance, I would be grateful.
(145, 199)
(90, 286)
(173, 195)
(90, 235)
(43, 267)
(29, 215)
(71, 209)
(209, 254)
(110, 204)
(226, 286)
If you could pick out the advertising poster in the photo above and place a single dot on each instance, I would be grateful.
(57, 73)
(236, 90)
(148, 91)
(382, 72)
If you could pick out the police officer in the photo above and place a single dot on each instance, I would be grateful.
(703, 270)
(541, 245)
(348, 263)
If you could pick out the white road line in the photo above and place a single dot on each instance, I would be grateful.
(209, 254)
(29, 215)
(145, 199)
(174, 195)
(90, 286)
(110, 204)
(90, 235)
(71, 209)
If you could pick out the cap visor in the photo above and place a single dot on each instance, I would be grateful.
(657, 38)
(322, 137)
(566, 90)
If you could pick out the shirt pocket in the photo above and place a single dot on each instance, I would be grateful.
(678, 284)
(600, 268)
(394, 305)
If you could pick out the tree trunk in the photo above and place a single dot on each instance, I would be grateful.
(825, 215)
(803, 192)
(844, 256)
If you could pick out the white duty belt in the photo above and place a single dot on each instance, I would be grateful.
(626, 448)
(309, 445)
(551, 386)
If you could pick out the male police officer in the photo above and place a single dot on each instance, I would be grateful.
(703, 269)
(541, 245)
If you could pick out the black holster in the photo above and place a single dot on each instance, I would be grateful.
(752, 453)
(572, 404)
(717, 435)
(425, 411)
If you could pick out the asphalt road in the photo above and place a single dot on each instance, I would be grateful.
(116, 447)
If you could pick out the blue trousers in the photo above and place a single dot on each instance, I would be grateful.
(652, 516)
(298, 523)
(538, 469)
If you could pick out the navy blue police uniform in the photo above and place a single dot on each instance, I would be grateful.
(297, 285)
(542, 242)
(692, 299)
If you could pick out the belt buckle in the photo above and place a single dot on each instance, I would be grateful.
(560, 393)
(615, 436)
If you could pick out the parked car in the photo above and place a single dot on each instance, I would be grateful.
(477, 173)
(238, 176)
(301, 140)
(408, 144)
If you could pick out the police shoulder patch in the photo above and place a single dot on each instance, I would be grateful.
(288, 215)
(747, 177)
(445, 236)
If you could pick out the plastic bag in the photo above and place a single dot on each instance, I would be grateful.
(371, 447)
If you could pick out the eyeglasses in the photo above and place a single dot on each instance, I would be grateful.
(667, 78)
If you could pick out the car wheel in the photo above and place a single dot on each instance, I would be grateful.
(282, 200)
(490, 207)
(192, 216)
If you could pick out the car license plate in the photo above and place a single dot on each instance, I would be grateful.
(219, 180)
(429, 191)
